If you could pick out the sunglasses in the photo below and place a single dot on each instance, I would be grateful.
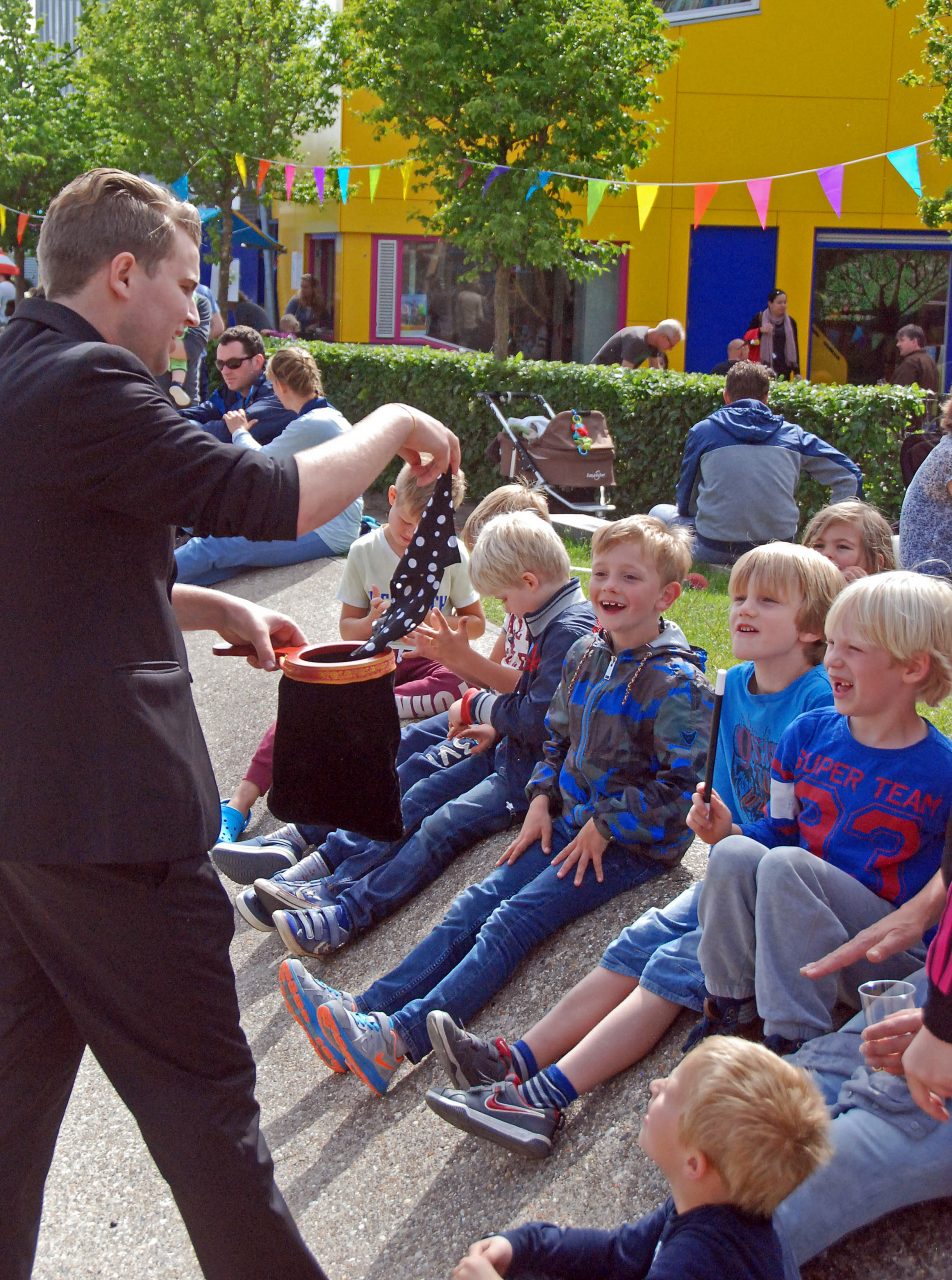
(235, 362)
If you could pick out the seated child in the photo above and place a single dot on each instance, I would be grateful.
(855, 536)
(442, 639)
(780, 594)
(859, 801)
(627, 738)
(734, 1130)
(523, 560)
(422, 686)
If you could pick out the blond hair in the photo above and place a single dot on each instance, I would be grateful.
(760, 1121)
(297, 369)
(668, 548)
(515, 543)
(508, 497)
(103, 213)
(904, 614)
(414, 496)
(873, 528)
(785, 570)
(673, 330)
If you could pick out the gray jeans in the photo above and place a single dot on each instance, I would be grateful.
(765, 912)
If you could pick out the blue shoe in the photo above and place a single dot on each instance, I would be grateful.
(252, 912)
(311, 932)
(725, 1016)
(280, 893)
(233, 822)
(246, 861)
(366, 1041)
(303, 997)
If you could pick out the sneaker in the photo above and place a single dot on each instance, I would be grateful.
(311, 932)
(277, 893)
(303, 996)
(781, 1046)
(246, 861)
(496, 1112)
(252, 912)
(366, 1041)
(724, 1016)
(233, 822)
(465, 1058)
(179, 396)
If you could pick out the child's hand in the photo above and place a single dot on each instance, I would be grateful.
(237, 420)
(537, 825)
(378, 605)
(854, 573)
(485, 1260)
(898, 931)
(483, 735)
(712, 822)
(884, 1043)
(587, 847)
(441, 638)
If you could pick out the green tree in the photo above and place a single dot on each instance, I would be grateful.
(559, 86)
(186, 88)
(934, 22)
(46, 130)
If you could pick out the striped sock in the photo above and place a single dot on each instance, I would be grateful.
(550, 1088)
(523, 1060)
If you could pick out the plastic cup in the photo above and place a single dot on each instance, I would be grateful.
(885, 996)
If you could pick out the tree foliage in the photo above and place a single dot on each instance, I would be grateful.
(934, 22)
(186, 88)
(564, 86)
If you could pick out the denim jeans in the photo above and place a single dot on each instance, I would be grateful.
(886, 1155)
(201, 562)
(489, 929)
(660, 950)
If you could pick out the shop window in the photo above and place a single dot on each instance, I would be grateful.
(678, 11)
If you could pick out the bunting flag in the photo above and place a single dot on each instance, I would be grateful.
(289, 171)
(241, 167)
(496, 172)
(831, 180)
(703, 195)
(407, 170)
(23, 221)
(906, 163)
(180, 187)
(596, 194)
(3, 220)
(343, 178)
(646, 194)
(759, 189)
(543, 177)
(465, 176)
(319, 182)
(263, 167)
(373, 178)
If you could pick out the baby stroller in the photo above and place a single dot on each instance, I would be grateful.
(568, 455)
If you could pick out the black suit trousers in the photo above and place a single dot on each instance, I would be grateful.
(132, 960)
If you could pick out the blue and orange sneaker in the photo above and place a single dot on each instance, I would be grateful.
(304, 996)
(366, 1041)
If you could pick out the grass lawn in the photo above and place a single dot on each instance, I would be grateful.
(702, 616)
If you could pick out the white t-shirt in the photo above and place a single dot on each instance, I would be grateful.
(371, 562)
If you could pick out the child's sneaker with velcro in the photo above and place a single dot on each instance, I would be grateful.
(311, 931)
(467, 1059)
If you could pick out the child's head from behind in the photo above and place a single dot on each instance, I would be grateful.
(407, 501)
(638, 564)
(734, 1108)
(520, 559)
(854, 535)
(780, 595)
(889, 633)
(508, 497)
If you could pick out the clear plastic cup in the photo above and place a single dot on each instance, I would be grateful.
(884, 996)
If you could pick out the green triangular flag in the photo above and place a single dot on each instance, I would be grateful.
(374, 176)
(596, 194)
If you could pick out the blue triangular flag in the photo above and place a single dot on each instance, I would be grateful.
(180, 187)
(540, 182)
(906, 163)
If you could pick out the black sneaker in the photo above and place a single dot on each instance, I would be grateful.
(465, 1058)
(724, 1016)
(781, 1046)
(496, 1112)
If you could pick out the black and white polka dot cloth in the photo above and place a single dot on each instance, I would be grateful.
(415, 585)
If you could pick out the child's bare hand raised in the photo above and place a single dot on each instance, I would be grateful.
(378, 605)
(485, 1260)
(712, 822)
(537, 825)
(442, 639)
(587, 848)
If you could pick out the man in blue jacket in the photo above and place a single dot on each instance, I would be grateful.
(742, 466)
(241, 359)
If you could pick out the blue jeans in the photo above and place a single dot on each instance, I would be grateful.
(660, 950)
(887, 1154)
(489, 929)
(201, 562)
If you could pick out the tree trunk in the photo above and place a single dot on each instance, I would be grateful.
(224, 269)
(501, 313)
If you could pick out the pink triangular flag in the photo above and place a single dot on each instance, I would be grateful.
(288, 178)
(465, 175)
(831, 180)
(703, 195)
(759, 189)
(319, 182)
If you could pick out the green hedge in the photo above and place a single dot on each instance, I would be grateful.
(649, 412)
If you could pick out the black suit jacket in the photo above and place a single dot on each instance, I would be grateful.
(104, 759)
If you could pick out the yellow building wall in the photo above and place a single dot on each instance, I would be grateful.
(802, 85)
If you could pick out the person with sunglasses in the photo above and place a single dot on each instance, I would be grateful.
(240, 361)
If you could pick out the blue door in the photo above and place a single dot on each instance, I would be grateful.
(730, 272)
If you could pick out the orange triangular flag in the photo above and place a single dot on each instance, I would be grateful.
(703, 195)
(263, 167)
(22, 223)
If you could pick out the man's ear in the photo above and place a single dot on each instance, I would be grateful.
(727, 399)
(119, 273)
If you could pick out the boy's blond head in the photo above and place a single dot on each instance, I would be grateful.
(667, 548)
(513, 544)
(904, 614)
(414, 497)
(508, 497)
(787, 571)
(760, 1121)
(872, 526)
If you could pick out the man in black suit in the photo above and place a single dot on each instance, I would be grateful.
(114, 930)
